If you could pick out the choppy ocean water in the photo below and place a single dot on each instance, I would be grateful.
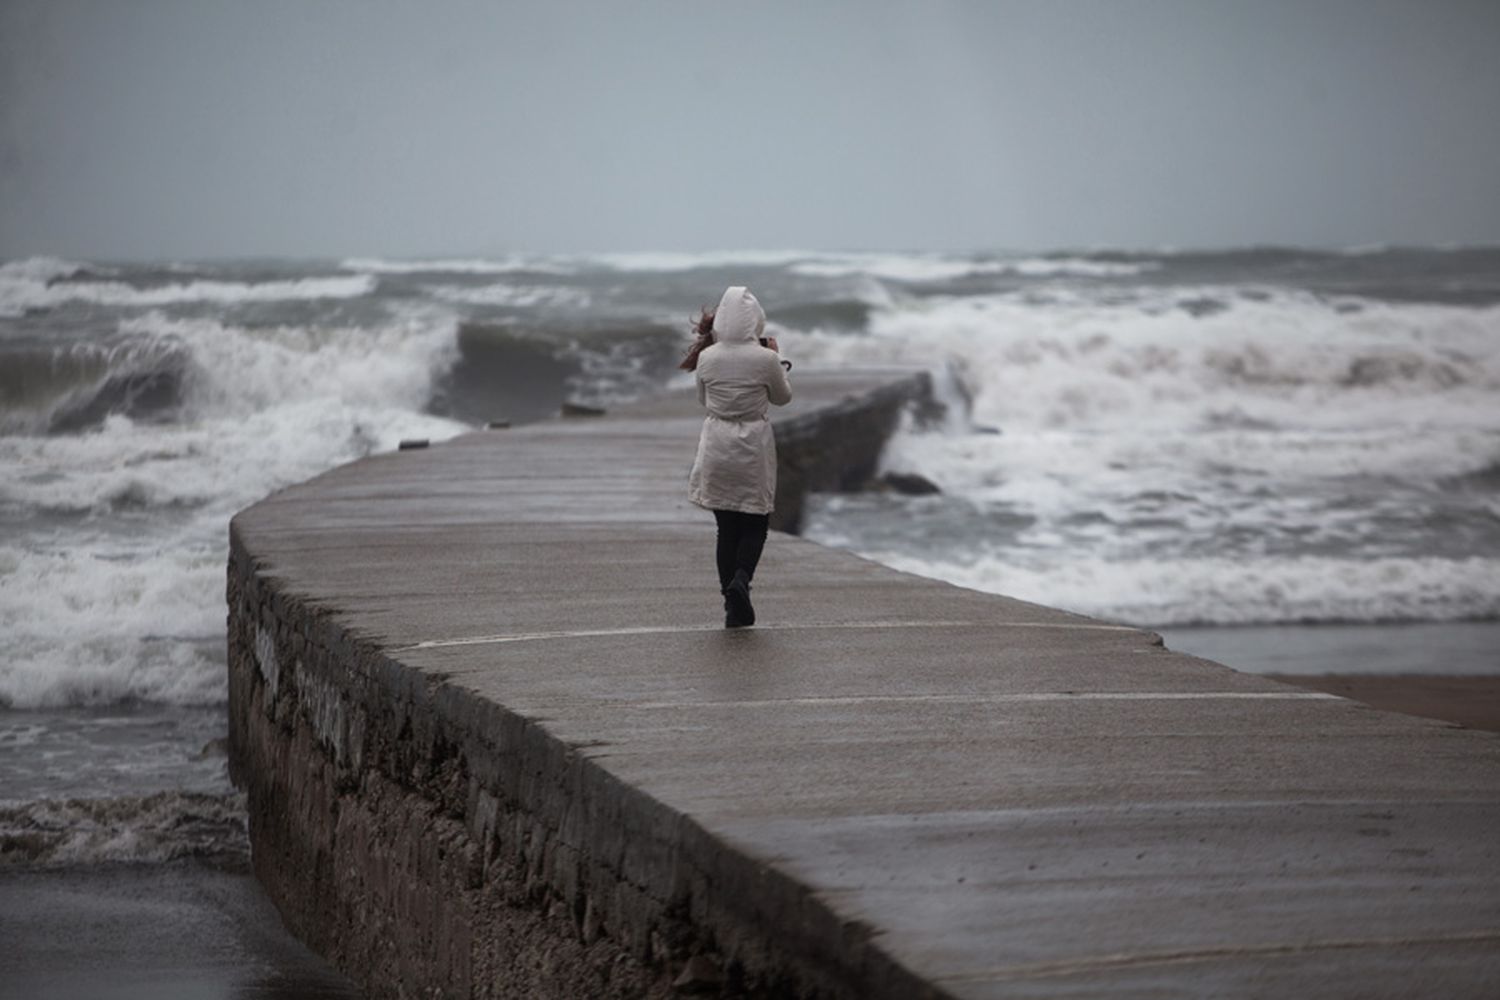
(1263, 449)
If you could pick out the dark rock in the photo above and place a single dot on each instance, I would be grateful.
(580, 410)
(909, 483)
(411, 444)
(986, 429)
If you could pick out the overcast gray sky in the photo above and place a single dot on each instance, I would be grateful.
(138, 128)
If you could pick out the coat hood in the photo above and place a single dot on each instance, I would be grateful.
(739, 318)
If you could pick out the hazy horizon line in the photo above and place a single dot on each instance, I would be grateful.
(784, 252)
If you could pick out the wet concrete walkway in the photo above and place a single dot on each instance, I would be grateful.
(999, 798)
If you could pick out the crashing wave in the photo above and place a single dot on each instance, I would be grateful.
(513, 296)
(473, 265)
(39, 287)
(70, 389)
(1141, 358)
(932, 268)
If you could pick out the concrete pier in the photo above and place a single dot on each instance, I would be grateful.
(496, 744)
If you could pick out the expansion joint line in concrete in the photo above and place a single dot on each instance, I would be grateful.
(1105, 963)
(489, 640)
(989, 699)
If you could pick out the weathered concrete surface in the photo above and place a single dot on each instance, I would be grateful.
(495, 741)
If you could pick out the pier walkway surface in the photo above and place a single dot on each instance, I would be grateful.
(490, 675)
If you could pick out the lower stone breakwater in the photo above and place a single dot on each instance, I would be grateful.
(495, 744)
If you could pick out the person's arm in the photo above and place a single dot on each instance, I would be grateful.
(778, 386)
(702, 392)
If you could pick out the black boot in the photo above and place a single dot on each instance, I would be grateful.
(738, 610)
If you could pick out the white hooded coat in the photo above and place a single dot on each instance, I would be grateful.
(737, 381)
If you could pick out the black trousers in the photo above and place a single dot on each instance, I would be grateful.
(741, 538)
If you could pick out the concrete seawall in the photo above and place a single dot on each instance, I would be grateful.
(495, 744)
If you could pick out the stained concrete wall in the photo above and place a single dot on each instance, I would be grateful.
(434, 843)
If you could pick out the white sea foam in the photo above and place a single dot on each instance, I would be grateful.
(920, 268)
(112, 612)
(667, 261)
(1282, 359)
(261, 405)
(97, 625)
(1224, 591)
(905, 267)
(38, 269)
(894, 267)
(643, 262)
(514, 296)
(23, 291)
(239, 371)
(471, 265)
(1078, 267)
(1203, 455)
(1055, 469)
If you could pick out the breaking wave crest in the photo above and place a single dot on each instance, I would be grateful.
(926, 268)
(65, 389)
(1201, 455)
(1165, 358)
(467, 265)
(128, 602)
(45, 283)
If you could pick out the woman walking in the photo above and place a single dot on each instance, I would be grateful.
(740, 374)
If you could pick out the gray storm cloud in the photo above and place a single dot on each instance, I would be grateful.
(159, 129)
